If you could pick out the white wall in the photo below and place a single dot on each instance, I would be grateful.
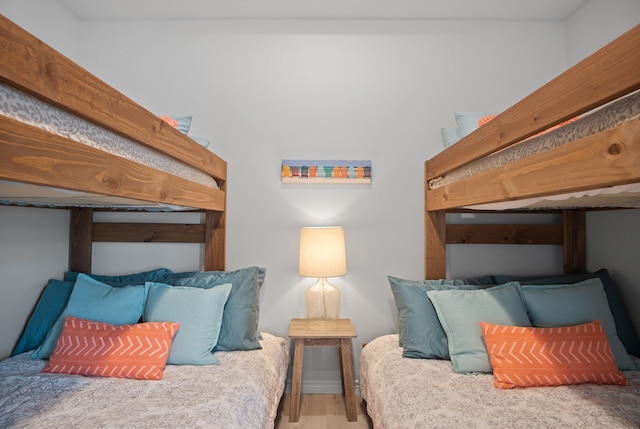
(597, 23)
(47, 20)
(264, 91)
(612, 237)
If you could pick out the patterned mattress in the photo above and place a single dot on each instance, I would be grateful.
(425, 393)
(609, 116)
(242, 392)
(25, 108)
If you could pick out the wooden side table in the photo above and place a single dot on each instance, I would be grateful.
(306, 335)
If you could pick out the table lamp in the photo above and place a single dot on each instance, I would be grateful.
(322, 255)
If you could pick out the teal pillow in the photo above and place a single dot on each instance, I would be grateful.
(460, 313)
(200, 140)
(97, 301)
(450, 136)
(198, 311)
(421, 335)
(468, 121)
(49, 307)
(240, 319)
(125, 279)
(624, 325)
(184, 123)
(574, 304)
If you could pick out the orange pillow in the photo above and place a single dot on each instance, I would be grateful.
(169, 120)
(485, 119)
(137, 351)
(524, 356)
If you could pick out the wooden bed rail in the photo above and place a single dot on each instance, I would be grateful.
(32, 155)
(614, 154)
(84, 232)
(570, 233)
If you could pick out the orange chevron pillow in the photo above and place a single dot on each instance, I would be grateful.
(525, 357)
(137, 351)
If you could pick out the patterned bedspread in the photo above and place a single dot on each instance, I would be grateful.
(423, 393)
(242, 392)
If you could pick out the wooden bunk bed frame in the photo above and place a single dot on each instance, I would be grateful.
(31, 155)
(608, 74)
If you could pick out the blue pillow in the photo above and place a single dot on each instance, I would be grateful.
(125, 279)
(198, 311)
(460, 313)
(468, 121)
(97, 301)
(624, 326)
(49, 307)
(421, 335)
(200, 140)
(184, 123)
(240, 319)
(574, 304)
(449, 136)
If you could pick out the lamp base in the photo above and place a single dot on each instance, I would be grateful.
(322, 301)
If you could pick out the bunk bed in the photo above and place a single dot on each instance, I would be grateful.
(411, 383)
(69, 141)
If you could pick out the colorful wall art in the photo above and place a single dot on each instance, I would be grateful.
(326, 171)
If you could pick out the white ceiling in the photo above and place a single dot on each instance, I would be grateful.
(323, 9)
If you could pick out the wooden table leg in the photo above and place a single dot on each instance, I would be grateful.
(341, 369)
(296, 380)
(347, 379)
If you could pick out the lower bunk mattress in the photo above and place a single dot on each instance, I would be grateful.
(244, 391)
(426, 393)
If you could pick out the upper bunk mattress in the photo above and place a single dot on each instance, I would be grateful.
(25, 108)
(613, 114)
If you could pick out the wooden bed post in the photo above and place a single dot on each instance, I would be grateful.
(435, 238)
(80, 239)
(435, 230)
(215, 242)
(574, 241)
(215, 236)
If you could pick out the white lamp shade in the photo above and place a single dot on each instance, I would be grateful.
(322, 252)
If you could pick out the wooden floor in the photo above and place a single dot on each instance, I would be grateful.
(322, 412)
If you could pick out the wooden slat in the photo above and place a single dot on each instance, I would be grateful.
(606, 159)
(604, 76)
(503, 234)
(31, 155)
(575, 241)
(148, 232)
(34, 67)
(80, 233)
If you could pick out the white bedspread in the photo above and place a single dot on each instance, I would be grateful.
(424, 393)
(242, 392)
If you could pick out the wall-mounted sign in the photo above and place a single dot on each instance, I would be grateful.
(326, 171)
